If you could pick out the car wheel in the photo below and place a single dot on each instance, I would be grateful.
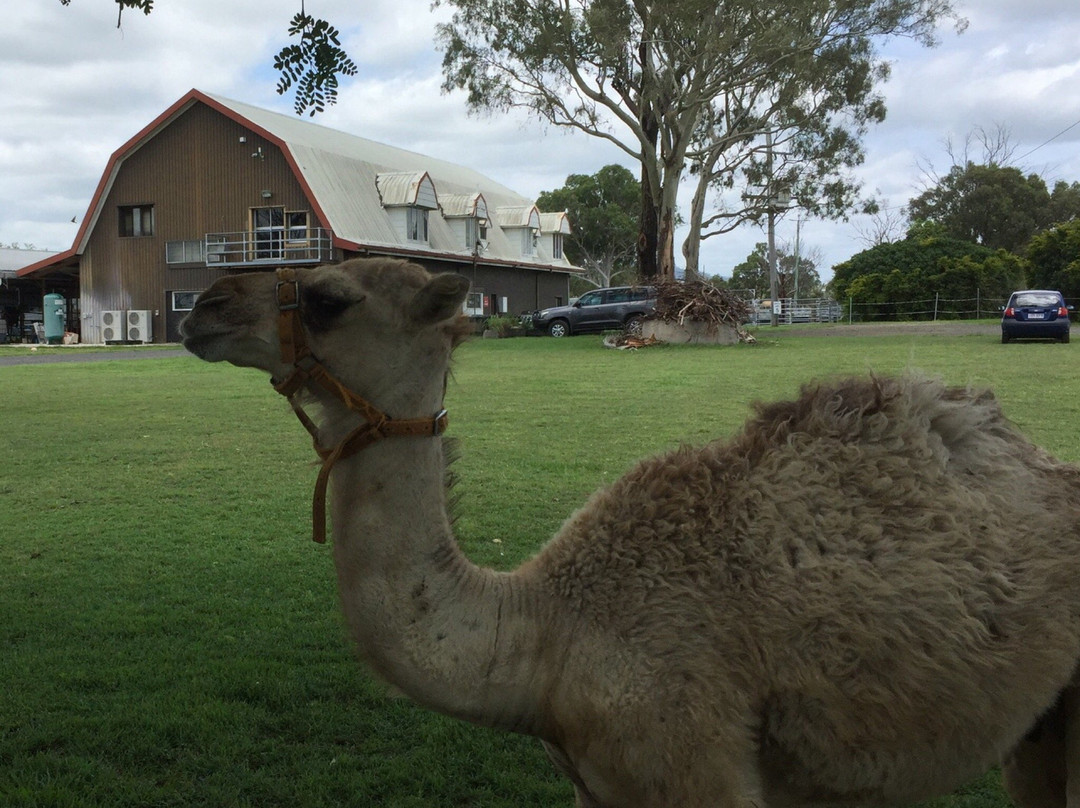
(558, 328)
(1065, 338)
(1004, 339)
(633, 324)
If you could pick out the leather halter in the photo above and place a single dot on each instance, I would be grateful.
(307, 369)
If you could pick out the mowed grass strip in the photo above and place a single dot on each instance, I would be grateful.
(170, 635)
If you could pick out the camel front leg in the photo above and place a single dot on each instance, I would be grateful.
(1070, 707)
(1043, 770)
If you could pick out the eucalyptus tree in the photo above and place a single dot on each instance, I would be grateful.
(790, 142)
(659, 79)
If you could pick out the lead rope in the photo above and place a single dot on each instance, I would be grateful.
(307, 369)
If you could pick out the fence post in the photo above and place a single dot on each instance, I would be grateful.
(935, 306)
(978, 302)
(850, 305)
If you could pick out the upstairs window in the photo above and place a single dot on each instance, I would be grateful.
(556, 246)
(296, 223)
(416, 224)
(185, 252)
(529, 237)
(136, 221)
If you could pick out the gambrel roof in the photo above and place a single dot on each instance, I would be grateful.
(350, 182)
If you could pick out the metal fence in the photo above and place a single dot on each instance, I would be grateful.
(797, 310)
(932, 308)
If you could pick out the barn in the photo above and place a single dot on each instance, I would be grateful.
(214, 186)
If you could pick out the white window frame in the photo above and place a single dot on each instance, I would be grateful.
(528, 241)
(416, 224)
(184, 305)
(191, 251)
(557, 246)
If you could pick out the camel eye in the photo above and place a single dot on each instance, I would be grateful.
(320, 307)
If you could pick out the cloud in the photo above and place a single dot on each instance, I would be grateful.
(76, 89)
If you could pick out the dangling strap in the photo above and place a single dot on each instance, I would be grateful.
(309, 370)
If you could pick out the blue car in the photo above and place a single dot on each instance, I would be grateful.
(1035, 314)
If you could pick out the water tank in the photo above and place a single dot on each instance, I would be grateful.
(55, 317)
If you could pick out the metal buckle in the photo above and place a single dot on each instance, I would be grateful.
(282, 305)
(439, 422)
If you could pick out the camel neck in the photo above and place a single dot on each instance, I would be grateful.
(458, 638)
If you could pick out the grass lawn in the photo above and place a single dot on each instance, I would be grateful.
(170, 636)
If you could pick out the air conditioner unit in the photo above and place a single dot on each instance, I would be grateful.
(112, 326)
(139, 327)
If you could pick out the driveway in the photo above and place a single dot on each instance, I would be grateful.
(46, 355)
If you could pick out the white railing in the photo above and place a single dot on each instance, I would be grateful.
(276, 246)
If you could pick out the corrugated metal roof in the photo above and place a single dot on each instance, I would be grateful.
(341, 171)
(517, 216)
(463, 205)
(407, 188)
(14, 259)
(555, 223)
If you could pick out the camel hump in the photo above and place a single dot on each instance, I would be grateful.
(879, 409)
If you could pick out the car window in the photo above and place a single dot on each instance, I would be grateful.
(641, 293)
(617, 296)
(590, 299)
(1037, 300)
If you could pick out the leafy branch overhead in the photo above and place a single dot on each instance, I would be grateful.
(146, 5)
(313, 65)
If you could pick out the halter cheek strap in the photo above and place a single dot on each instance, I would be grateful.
(308, 370)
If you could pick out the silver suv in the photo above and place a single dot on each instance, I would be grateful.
(599, 310)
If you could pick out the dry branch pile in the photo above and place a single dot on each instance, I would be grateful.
(679, 301)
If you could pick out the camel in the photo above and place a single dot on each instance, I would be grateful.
(868, 595)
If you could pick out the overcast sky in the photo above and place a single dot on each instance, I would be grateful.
(75, 88)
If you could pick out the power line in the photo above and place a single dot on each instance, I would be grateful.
(1047, 142)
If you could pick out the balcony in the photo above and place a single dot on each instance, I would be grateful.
(270, 247)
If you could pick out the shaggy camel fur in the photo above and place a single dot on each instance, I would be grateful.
(870, 594)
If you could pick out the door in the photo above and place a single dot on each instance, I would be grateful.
(268, 233)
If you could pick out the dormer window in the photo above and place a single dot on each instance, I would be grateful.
(467, 215)
(408, 197)
(554, 227)
(522, 223)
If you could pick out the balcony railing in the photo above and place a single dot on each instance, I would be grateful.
(275, 246)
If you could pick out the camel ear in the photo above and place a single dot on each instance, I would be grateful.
(440, 299)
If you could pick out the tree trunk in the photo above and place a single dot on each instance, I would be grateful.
(648, 235)
(691, 248)
(666, 244)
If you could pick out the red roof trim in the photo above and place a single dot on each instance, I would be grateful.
(456, 258)
(175, 109)
(46, 263)
(144, 134)
(281, 144)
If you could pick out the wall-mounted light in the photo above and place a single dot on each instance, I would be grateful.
(258, 153)
(266, 194)
(243, 139)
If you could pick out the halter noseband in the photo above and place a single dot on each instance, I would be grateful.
(307, 369)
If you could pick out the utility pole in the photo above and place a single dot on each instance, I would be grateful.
(798, 224)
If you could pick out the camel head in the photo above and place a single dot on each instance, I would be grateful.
(384, 328)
